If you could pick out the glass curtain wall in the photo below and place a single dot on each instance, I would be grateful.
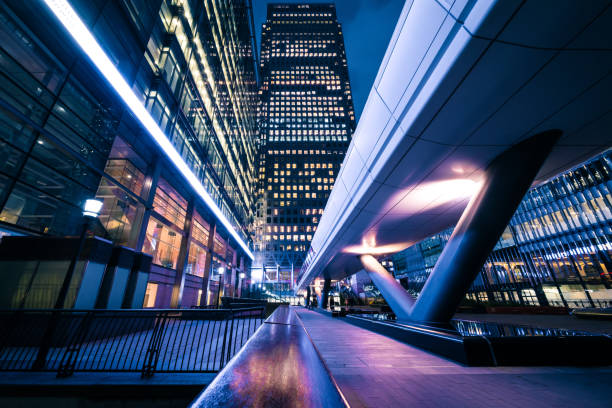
(66, 137)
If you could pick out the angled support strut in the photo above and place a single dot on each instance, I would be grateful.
(506, 181)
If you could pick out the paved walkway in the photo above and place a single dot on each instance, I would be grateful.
(375, 371)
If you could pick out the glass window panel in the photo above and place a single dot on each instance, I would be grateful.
(121, 214)
(163, 243)
(41, 212)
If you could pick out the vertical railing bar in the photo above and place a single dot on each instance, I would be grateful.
(174, 327)
(179, 350)
(73, 347)
(212, 336)
(161, 343)
(62, 337)
(88, 343)
(143, 339)
(197, 358)
(134, 339)
(208, 323)
(242, 332)
(223, 344)
(190, 338)
(117, 335)
(222, 340)
(101, 345)
(13, 354)
(226, 340)
(128, 337)
(176, 348)
(95, 346)
(18, 352)
(125, 335)
(148, 336)
(150, 349)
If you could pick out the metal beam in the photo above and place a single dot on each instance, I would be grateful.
(396, 296)
(507, 179)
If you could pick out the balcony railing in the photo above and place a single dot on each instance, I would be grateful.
(145, 341)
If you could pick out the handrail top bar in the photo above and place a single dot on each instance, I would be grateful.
(148, 311)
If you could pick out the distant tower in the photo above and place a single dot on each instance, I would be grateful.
(306, 121)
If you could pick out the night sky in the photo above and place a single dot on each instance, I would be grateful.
(367, 27)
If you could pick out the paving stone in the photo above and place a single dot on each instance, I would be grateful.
(396, 374)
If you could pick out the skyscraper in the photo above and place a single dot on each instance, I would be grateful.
(306, 121)
(69, 134)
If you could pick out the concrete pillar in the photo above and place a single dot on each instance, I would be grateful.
(507, 179)
(396, 296)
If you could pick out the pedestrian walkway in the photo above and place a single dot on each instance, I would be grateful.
(375, 371)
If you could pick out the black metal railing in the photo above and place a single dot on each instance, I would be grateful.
(145, 341)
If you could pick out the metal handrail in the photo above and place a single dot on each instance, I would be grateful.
(126, 340)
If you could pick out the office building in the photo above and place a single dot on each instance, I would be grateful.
(306, 121)
(177, 179)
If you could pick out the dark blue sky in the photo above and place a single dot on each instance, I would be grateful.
(367, 26)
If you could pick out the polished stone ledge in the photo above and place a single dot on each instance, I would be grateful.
(278, 367)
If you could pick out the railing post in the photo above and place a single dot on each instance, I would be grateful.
(231, 336)
(223, 346)
(69, 359)
(45, 346)
(152, 356)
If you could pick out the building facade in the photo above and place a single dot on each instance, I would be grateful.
(556, 251)
(68, 136)
(306, 119)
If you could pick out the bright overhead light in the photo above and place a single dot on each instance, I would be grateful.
(81, 35)
(92, 207)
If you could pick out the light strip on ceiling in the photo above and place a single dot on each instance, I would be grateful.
(79, 32)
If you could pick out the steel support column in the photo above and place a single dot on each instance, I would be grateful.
(396, 296)
(325, 293)
(507, 179)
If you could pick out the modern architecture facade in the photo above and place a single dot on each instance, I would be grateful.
(306, 119)
(70, 134)
(556, 251)
(468, 111)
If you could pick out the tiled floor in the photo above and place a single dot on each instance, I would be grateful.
(375, 371)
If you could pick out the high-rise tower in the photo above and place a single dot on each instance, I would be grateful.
(306, 121)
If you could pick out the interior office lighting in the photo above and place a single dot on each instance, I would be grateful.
(92, 207)
(83, 37)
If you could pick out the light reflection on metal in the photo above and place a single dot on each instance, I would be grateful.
(434, 194)
(84, 38)
(376, 250)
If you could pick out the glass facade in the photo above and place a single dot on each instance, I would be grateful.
(66, 136)
(306, 121)
(556, 251)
